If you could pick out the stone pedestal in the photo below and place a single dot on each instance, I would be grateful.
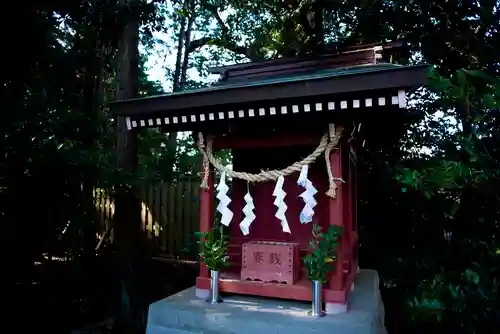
(184, 313)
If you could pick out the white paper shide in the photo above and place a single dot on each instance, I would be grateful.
(224, 200)
(279, 202)
(307, 213)
(249, 215)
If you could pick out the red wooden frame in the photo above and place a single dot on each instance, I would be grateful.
(206, 212)
(233, 141)
(339, 211)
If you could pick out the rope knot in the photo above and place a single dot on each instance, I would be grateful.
(206, 163)
(332, 190)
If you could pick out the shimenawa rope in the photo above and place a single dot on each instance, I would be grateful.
(324, 146)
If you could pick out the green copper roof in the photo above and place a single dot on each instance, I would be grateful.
(276, 80)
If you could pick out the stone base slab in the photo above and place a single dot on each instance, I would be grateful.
(185, 313)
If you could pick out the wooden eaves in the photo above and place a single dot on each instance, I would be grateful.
(328, 82)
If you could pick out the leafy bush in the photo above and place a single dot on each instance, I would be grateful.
(213, 250)
(323, 252)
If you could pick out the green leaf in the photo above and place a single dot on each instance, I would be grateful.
(472, 276)
(461, 79)
(199, 235)
(483, 76)
(454, 208)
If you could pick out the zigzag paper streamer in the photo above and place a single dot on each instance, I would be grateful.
(279, 201)
(249, 215)
(307, 212)
(224, 201)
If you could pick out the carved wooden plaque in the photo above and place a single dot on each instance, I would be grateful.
(270, 261)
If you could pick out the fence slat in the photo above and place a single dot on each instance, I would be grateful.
(195, 206)
(144, 218)
(111, 212)
(164, 217)
(151, 204)
(179, 198)
(157, 215)
(187, 221)
(172, 243)
(106, 210)
(101, 207)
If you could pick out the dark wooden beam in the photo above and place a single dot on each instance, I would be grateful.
(236, 142)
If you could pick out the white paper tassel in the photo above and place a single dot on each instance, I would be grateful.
(249, 215)
(308, 196)
(224, 201)
(280, 194)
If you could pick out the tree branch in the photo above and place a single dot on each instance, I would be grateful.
(198, 43)
(222, 25)
(224, 42)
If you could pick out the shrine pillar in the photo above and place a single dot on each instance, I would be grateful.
(336, 215)
(207, 217)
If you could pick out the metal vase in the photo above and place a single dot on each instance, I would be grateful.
(317, 299)
(214, 288)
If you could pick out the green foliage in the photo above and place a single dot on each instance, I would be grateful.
(323, 252)
(454, 205)
(451, 298)
(213, 245)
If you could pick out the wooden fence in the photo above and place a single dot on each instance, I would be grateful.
(170, 216)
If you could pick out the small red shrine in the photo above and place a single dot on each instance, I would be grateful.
(276, 117)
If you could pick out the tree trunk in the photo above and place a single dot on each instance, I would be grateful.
(187, 41)
(127, 204)
(312, 22)
(180, 72)
(180, 45)
(91, 103)
(127, 222)
(465, 218)
(177, 84)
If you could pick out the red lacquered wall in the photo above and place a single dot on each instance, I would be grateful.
(266, 227)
